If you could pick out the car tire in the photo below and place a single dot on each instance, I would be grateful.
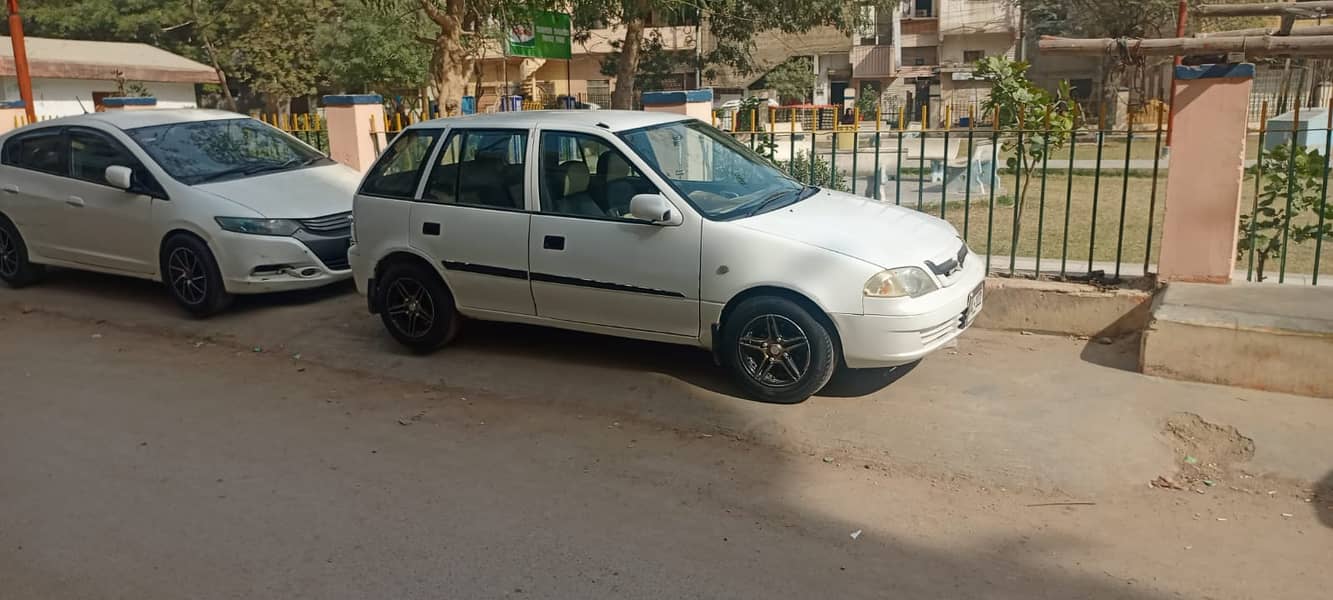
(192, 277)
(15, 268)
(416, 307)
(777, 351)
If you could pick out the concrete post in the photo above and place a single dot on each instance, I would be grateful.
(129, 103)
(352, 142)
(1203, 185)
(12, 116)
(694, 103)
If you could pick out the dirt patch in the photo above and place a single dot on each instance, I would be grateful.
(1206, 452)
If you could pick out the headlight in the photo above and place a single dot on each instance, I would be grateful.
(903, 281)
(258, 226)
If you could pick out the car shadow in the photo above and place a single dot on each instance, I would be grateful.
(1323, 500)
(688, 364)
(117, 288)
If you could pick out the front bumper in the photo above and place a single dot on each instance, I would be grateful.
(898, 337)
(253, 264)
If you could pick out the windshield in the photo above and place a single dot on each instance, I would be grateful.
(722, 178)
(195, 152)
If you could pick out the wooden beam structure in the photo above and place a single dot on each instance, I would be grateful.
(1300, 10)
(1255, 45)
(1261, 31)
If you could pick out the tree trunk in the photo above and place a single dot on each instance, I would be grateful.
(449, 64)
(222, 75)
(628, 65)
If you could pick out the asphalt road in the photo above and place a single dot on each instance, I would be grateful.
(148, 465)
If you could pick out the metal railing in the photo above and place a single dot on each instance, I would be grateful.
(309, 127)
(1087, 205)
(1286, 217)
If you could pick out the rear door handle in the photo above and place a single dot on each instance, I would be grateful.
(74, 201)
(10, 189)
(430, 228)
(554, 242)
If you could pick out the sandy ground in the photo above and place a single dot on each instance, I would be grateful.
(147, 462)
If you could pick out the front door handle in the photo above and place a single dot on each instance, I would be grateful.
(10, 189)
(74, 201)
(554, 242)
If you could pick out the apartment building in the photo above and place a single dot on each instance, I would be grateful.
(916, 56)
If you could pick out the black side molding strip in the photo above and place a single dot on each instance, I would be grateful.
(485, 270)
(602, 285)
(557, 279)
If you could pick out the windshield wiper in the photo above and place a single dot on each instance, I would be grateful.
(758, 208)
(809, 190)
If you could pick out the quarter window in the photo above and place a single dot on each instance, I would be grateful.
(396, 173)
(43, 151)
(480, 168)
(582, 175)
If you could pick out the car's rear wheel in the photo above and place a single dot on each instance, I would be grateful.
(416, 307)
(15, 268)
(192, 277)
(777, 350)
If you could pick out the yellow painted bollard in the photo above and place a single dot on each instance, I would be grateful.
(398, 122)
(877, 117)
(925, 117)
(948, 110)
(902, 118)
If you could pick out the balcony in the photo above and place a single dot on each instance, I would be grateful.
(979, 16)
(920, 32)
(872, 62)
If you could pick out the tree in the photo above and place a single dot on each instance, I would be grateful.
(657, 65)
(374, 46)
(463, 29)
(1037, 121)
(793, 79)
(733, 24)
(1290, 200)
(633, 16)
(271, 46)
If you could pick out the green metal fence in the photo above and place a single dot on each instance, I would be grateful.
(1090, 207)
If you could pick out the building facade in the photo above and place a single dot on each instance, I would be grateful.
(70, 77)
(916, 57)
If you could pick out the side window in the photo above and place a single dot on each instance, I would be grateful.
(43, 151)
(582, 175)
(480, 168)
(396, 173)
(91, 153)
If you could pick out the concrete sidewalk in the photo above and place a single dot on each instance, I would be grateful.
(1023, 411)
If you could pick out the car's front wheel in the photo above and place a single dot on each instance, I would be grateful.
(777, 350)
(15, 268)
(416, 307)
(192, 276)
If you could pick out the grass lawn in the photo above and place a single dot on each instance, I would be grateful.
(1104, 242)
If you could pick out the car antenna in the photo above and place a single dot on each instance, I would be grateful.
(81, 107)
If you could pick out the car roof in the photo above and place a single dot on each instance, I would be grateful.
(130, 119)
(613, 120)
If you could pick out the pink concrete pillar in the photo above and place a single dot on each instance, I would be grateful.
(352, 141)
(129, 103)
(694, 103)
(1203, 185)
(12, 116)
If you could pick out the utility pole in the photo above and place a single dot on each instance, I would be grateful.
(21, 60)
(1182, 10)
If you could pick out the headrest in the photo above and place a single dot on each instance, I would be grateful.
(576, 177)
(612, 166)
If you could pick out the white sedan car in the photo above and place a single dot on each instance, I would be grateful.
(211, 203)
(658, 227)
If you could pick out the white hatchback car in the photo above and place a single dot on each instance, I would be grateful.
(652, 226)
(211, 203)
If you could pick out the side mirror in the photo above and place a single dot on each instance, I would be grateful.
(120, 177)
(650, 207)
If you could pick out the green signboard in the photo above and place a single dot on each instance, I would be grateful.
(545, 36)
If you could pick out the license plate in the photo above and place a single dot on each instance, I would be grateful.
(974, 300)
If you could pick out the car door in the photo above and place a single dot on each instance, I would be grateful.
(473, 217)
(114, 226)
(593, 263)
(33, 188)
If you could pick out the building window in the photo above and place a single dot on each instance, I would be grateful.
(971, 56)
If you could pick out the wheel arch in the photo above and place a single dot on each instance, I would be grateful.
(799, 298)
(173, 232)
(398, 257)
